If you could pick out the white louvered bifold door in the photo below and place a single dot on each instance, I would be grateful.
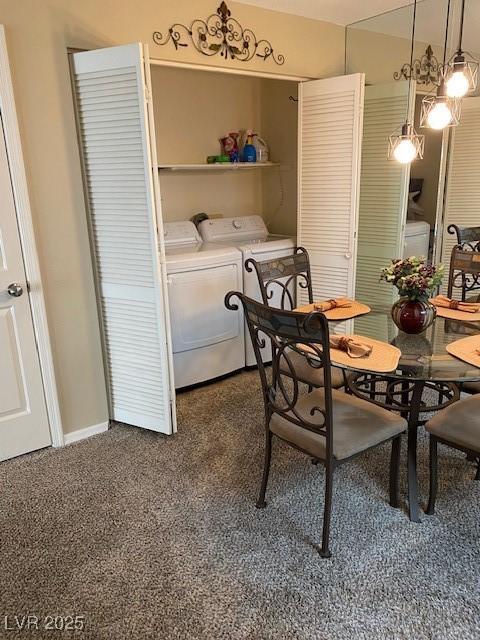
(383, 192)
(462, 198)
(329, 149)
(115, 130)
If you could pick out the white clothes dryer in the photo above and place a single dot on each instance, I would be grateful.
(417, 239)
(251, 236)
(208, 340)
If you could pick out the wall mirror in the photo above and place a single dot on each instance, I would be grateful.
(406, 209)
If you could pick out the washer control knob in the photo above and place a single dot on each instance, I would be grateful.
(236, 224)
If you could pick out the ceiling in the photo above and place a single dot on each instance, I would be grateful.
(393, 17)
(341, 12)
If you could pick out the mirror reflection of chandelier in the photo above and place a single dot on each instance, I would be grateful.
(439, 109)
(405, 145)
(461, 72)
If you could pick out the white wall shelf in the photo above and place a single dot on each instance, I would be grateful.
(221, 166)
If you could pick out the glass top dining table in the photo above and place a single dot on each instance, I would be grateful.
(426, 380)
(424, 356)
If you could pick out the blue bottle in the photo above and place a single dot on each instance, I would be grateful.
(249, 151)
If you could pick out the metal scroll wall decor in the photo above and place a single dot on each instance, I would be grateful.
(425, 70)
(219, 34)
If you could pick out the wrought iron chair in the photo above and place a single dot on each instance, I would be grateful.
(278, 280)
(468, 238)
(464, 275)
(326, 424)
(464, 272)
(457, 426)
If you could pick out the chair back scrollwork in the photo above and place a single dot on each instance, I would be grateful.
(464, 273)
(280, 278)
(289, 332)
(468, 238)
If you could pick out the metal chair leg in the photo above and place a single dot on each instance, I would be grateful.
(395, 472)
(324, 551)
(433, 476)
(261, 504)
(477, 475)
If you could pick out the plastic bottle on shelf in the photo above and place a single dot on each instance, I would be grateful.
(262, 149)
(249, 151)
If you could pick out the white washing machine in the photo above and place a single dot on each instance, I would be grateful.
(250, 235)
(208, 340)
(417, 239)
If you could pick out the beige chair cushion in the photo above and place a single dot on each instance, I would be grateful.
(357, 425)
(308, 374)
(459, 423)
(471, 387)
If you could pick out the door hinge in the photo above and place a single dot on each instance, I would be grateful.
(28, 286)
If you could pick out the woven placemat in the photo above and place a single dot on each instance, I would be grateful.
(466, 349)
(454, 314)
(339, 313)
(383, 358)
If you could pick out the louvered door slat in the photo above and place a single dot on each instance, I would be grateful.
(116, 151)
(329, 147)
(383, 193)
(462, 198)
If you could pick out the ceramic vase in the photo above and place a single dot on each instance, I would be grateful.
(413, 316)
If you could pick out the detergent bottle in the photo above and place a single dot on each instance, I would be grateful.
(249, 151)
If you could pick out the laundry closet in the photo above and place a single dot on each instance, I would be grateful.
(146, 129)
(193, 109)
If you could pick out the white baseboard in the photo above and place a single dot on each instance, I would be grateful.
(81, 434)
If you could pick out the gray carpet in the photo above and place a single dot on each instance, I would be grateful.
(151, 537)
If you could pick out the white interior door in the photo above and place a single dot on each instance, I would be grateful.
(23, 416)
(115, 119)
(329, 150)
(383, 191)
(462, 198)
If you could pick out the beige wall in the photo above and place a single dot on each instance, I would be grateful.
(38, 34)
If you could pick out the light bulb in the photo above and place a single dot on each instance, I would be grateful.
(405, 151)
(440, 116)
(457, 85)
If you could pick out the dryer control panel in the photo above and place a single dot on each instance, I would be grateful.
(238, 228)
(183, 232)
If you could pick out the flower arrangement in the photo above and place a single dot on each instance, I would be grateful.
(413, 278)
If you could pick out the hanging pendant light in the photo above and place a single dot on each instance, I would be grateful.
(439, 110)
(405, 144)
(461, 72)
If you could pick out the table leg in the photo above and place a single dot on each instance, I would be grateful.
(404, 395)
(414, 413)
